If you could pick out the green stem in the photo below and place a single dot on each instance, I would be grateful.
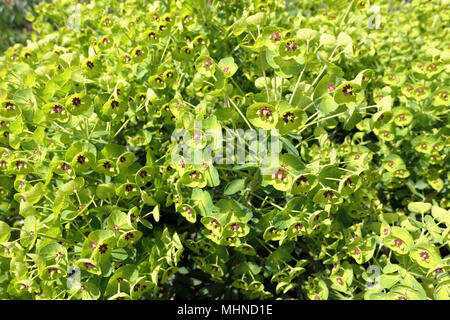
(121, 128)
(324, 67)
(264, 74)
(296, 85)
(271, 203)
(306, 126)
(263, 244)
(240, 113)
(347, 12)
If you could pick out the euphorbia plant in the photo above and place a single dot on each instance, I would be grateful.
(93, 206)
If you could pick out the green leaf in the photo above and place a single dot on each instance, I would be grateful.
(344, 39)
(326, 104)
(256, 20)
(419, 207)
(5, 232)
(228, 67)
(289, 146)
(155, 213)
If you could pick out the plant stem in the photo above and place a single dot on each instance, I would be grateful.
(264, 74)
(240, 113)
(271, 203)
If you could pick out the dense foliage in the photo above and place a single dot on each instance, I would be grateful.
(92, 206)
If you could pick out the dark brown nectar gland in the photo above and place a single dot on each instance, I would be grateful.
(234, 227)
(207, 63)
(114, 104)
(129, 235)
(275, 37)
(76, 101)
(195, 175)
(348, 182)
(301, 180)
(265, 112)
(57, 109)
(328, 194)
(424, 255)
(291, 45)
(103, 248)
(215, 223)
(88, 265)
(280, 174)
(347, 90)
(289, 116)
(20, 164)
